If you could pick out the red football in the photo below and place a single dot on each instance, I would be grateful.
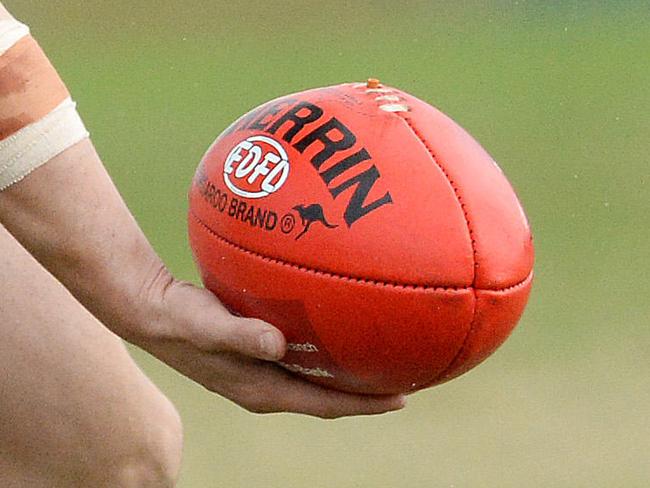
(371, 229)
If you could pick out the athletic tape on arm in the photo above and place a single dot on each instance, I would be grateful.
(39, 120)
(11, 31)
(34, 145)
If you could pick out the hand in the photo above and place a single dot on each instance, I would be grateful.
(100, 254)
(232, 356)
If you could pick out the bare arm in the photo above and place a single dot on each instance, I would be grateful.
(74, 405)
(70, 216)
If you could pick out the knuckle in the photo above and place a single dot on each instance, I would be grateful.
(155, 283)
(258, 407)
(261, 400)
(330, 414)
(253, 399)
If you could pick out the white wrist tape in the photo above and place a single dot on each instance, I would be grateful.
(38, 120)
(11, 31)
(34, 145)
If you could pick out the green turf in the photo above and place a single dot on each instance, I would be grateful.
(558, 92)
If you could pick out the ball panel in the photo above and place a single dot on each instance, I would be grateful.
(497, 314)
(500, 230)
(370, 337)
(420, 237)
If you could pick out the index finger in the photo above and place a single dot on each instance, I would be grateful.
(273, 389)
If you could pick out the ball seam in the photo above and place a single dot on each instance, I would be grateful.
(354, 279)
(459, 198)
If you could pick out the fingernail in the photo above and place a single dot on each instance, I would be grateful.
(269, 345)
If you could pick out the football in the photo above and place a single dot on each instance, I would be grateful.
(370, 228)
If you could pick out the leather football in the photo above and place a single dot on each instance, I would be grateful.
(371, 229)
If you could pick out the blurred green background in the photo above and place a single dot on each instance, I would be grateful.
(558, 92)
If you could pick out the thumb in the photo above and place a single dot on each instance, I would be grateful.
(250, 337)
(210, 327)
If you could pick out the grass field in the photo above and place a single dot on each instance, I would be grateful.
(558, 92)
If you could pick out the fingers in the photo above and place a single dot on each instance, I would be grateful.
(266, 388)
(223, 353)
(309, 399)
(293, 394)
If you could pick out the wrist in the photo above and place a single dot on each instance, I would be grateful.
(138, 307)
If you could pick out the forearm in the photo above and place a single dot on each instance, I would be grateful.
(57, 199)
(62, 206)
(69, 215)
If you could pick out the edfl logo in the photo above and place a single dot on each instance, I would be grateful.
(256, 167)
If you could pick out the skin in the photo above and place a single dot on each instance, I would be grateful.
(75, 266)
(74, 408)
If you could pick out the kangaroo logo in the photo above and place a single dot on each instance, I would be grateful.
(310, 214)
